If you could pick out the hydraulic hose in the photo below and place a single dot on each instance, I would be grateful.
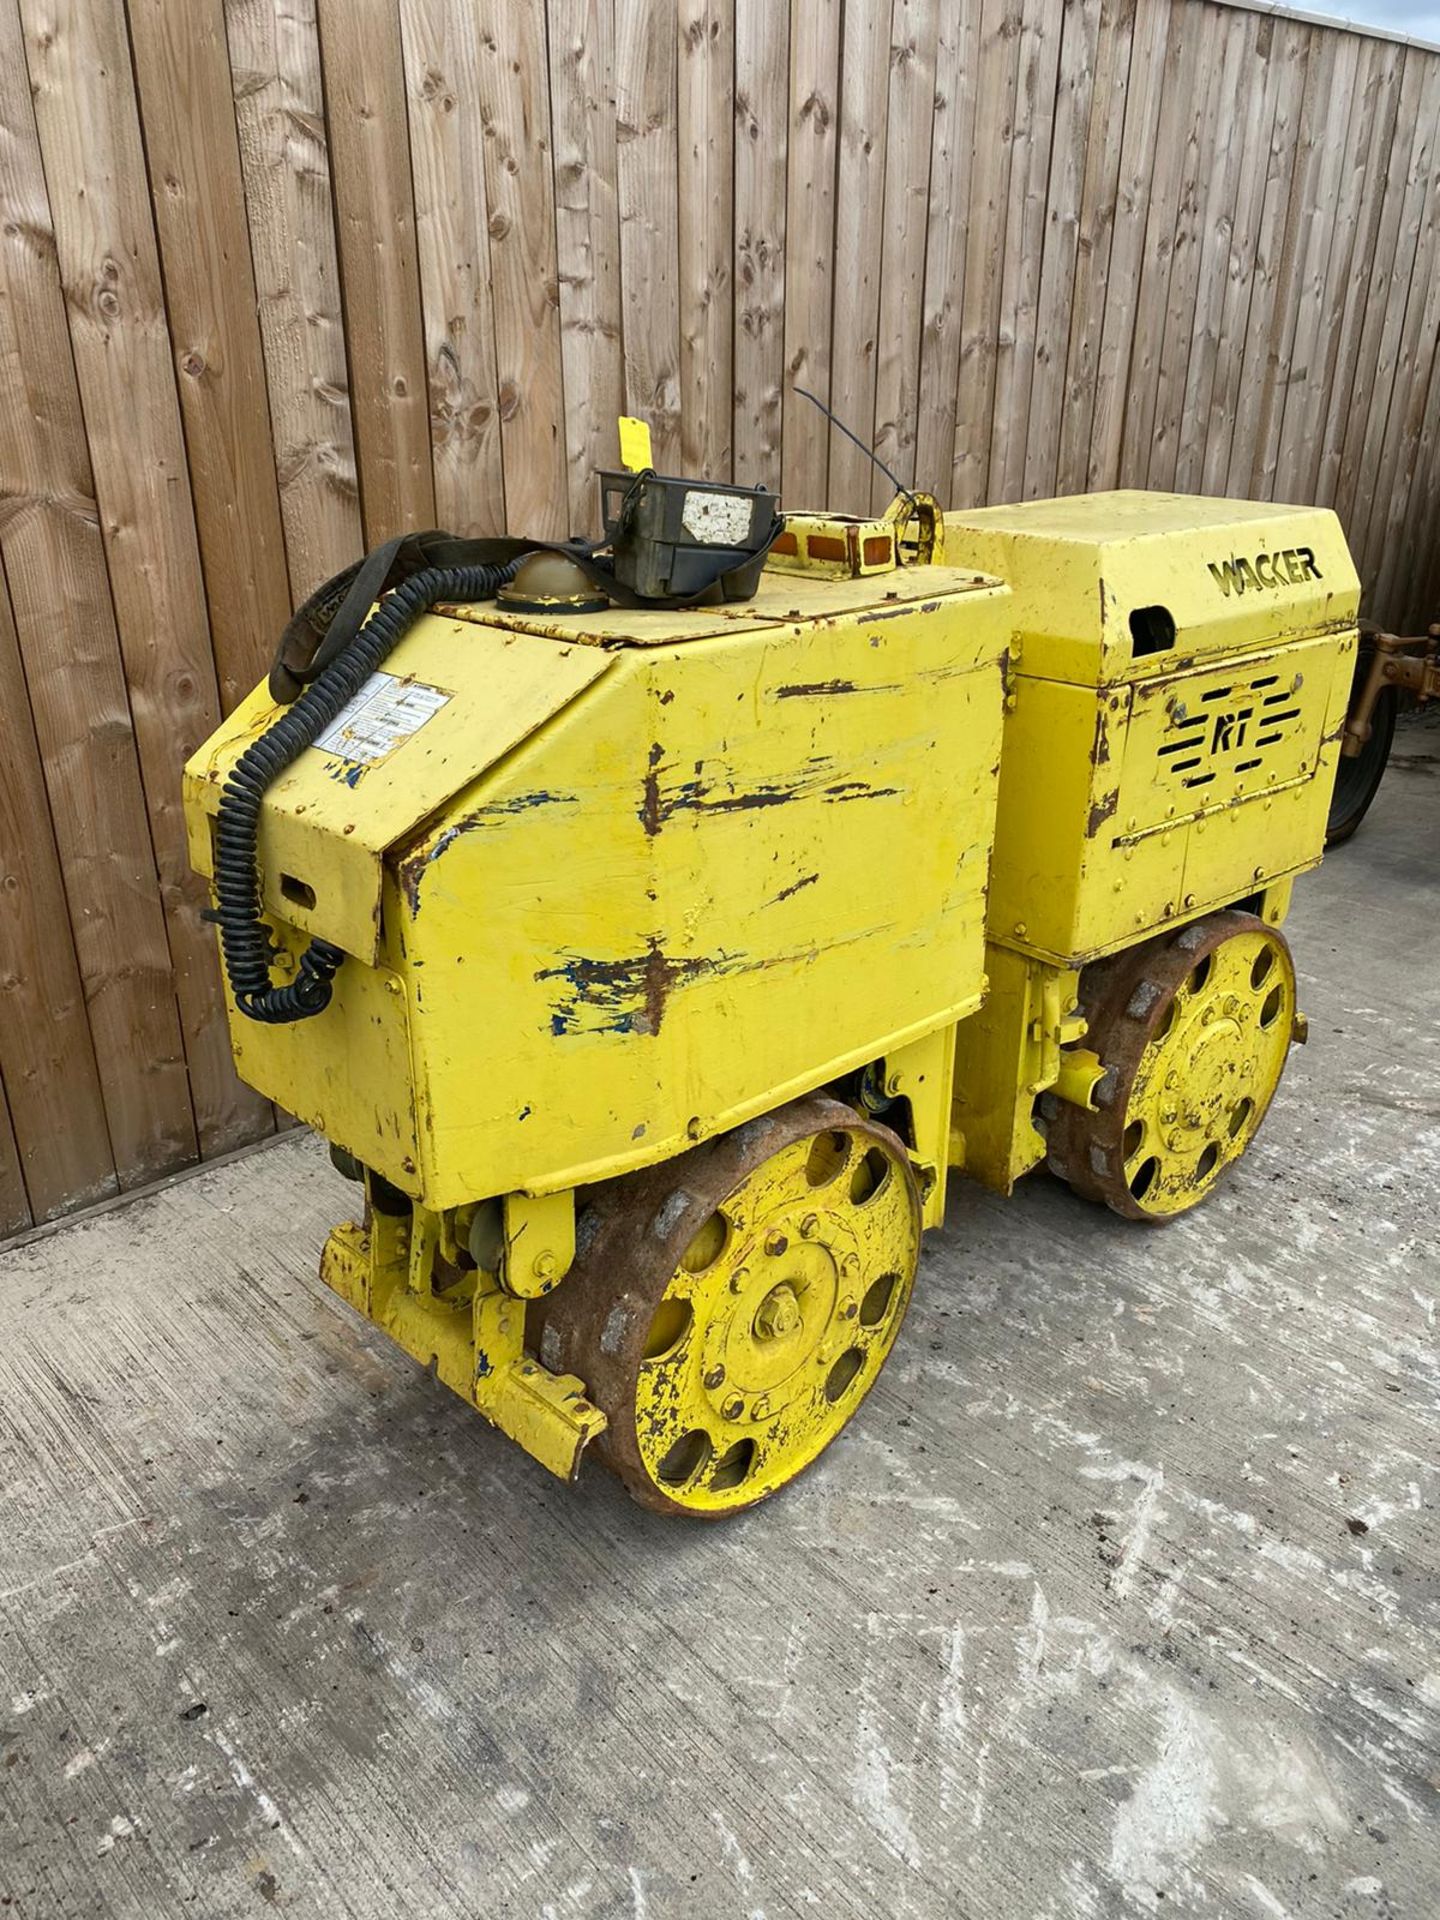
(244, 939)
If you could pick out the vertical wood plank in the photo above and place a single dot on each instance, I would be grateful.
(711, 135)
(859, 210)
(442, 84)
(910, 118)
(646, 130)
(1274, 240)
(363, 70)
(1414, 601)
(1351, 499)
(1239, 38)
(1311, 202)
(1017, 343)
(762, 53)
(1197, 273)
(524, 271)
(182, 70)
(1395, 471)
(280, 123)
(1253, 142)
(996, 76)
(1181, 113)
(1099, 193)
(957, 59)
(47, 1059)
(60, 591)
(1325, 270)
(811, 162)
(587, 226)
(1079, 76)
(87, 120)
(1378, 115)
(1149, 52)
(14, 1207)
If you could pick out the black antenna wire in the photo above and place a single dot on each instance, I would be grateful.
(869, 452)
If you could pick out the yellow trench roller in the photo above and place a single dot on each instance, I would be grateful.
(680, 951)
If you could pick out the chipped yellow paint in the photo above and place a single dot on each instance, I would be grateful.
(471, 1334)
(329, 820)
(640, 876)
(1005, 1055)
(1177, 777)
(776, 1322)
(539, 1242)
(1206, 1080)
(673, 903)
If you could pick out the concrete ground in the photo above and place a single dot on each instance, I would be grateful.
(1120, 1596)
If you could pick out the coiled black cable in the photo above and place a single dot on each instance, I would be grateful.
(244, 940)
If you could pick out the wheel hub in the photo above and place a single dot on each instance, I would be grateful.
(787, 1300)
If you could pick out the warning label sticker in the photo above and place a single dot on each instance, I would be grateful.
(384, 712)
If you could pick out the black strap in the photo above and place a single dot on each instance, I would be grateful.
(329, 620)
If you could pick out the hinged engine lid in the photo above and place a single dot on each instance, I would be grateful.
(1124, 586)
(450, 701)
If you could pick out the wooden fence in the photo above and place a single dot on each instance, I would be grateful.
(283, 276)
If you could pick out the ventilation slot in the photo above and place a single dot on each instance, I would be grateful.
(1218, 693)
(1152, 630)
(1247, 766)
(1200, 780)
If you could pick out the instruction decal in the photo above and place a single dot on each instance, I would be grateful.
(384, 712)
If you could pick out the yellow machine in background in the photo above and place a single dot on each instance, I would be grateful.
(1179, 676)
(661, 937)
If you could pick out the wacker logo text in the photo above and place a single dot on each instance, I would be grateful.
(1289, 568)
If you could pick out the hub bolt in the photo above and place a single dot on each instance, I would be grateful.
(810, 1226)
(715, 1377)
(733, 1407)
(775, 1243)
(778, 1313)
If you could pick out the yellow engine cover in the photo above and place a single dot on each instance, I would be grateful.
(1179, 680)
(613, 883)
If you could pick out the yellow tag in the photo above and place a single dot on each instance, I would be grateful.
(634, 444)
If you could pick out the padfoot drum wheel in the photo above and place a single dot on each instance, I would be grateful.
(1193, 1032)
(729, 1310)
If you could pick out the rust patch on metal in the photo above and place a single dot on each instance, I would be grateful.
(650, 814)
(1103, 810)
(813, 689)
(413, 868)
(712, 793)
(859, 790)
(629, 995)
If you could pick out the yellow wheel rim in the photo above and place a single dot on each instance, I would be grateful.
(775, 1323)
(1209, 1071)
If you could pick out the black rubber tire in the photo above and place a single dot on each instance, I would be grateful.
(1357, 780)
